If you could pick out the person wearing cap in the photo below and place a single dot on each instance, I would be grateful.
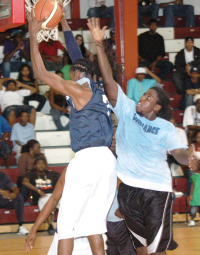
(102, 9)
(15, 50)
(152, 50)
(136, 87)
(192, 86)
(177, 8)
(110, 42)
(191, 118)
(187, 57)
(147, 8)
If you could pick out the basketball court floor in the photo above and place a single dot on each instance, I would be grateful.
(188, 239)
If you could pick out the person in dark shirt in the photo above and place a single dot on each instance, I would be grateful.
(152, 50)
(192, 86)
(42, 183)
(147, 8)
(10, 199)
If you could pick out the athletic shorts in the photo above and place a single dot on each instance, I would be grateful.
(43, 200)
(90, 186)
(81, 246)
(148, 216)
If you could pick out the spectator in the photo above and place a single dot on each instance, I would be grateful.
(192, 86)
(191, 118)
(194, 197)
(147, 8)
(187, 57)
(85, 52)
(66, 68)
(59, 107)
(42, 183)
(29, 152)
(26, 77)
(102, 9)
(110, 43)
(49, 53)
(10, 199)
(11, 99)
(21, 133)
(15, 50)
(5, 148)
(152, 50)
(177, 8)
(136, 87)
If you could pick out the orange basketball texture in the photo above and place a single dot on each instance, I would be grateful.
(44, 8)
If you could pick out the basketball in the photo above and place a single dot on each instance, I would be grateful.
(50, 9)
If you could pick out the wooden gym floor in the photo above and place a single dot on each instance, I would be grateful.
(188, 239)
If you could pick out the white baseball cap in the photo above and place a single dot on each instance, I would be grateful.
(140, 70)
(196, 97)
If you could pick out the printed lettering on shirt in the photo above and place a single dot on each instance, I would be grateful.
(105, 100)
(146, 128)
(43, 184)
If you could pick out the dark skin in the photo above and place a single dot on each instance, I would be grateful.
(147, 107)
(80, 95)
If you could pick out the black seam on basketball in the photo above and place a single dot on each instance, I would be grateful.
(42, 9)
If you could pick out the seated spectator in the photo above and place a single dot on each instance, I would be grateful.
(5, 148)
(66, 68)
(10, 199)
(49, 53)
(152, 50)
(192, 86)
(187, 57)
(42, 183)
(26, 77)
(136, 87)
(102, 9)
(11, 99)
(29, 152)
(191, 118)
(194, 196)
(147, 8)
(21, 133)
(177, 8)
(59, 106)
(110, 45)
(85, 52)
(15, 50)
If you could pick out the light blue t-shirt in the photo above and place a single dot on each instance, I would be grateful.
(142, 146)
(111, 215)
(22, 134)
(136, 89)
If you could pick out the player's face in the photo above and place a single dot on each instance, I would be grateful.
(23, 118)
(40, 166)
(140, 76)
(148, 106)
(36, 149)
(25, 71)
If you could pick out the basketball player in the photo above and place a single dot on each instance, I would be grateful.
(144, 136)
(90, 180)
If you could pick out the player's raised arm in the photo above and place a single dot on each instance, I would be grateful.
(106, 71)
(80, 95)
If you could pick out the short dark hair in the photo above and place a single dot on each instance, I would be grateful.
(58, 71)
(20, 114)
(40, 158)
(163, 100)
(10, 81)
(29, 145)
(152, 21)
(83, 65)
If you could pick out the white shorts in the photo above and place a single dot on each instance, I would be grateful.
(43, 200)
(81, 246)
(90, 186)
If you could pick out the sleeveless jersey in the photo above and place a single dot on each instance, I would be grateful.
(92, 125)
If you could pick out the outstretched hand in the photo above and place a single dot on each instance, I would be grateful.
(30, 240)
(94, 26)
(193, 162)
(34, 26)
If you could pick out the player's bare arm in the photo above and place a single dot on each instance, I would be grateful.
(106, 71)
(80, 95)
(185, 158)
(48, 208)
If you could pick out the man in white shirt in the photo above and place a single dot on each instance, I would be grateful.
(187, 57)
(177, 8)
(102, 9)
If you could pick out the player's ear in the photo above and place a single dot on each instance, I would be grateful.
(157, 107)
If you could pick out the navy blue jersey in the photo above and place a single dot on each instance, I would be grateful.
(92, 125)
